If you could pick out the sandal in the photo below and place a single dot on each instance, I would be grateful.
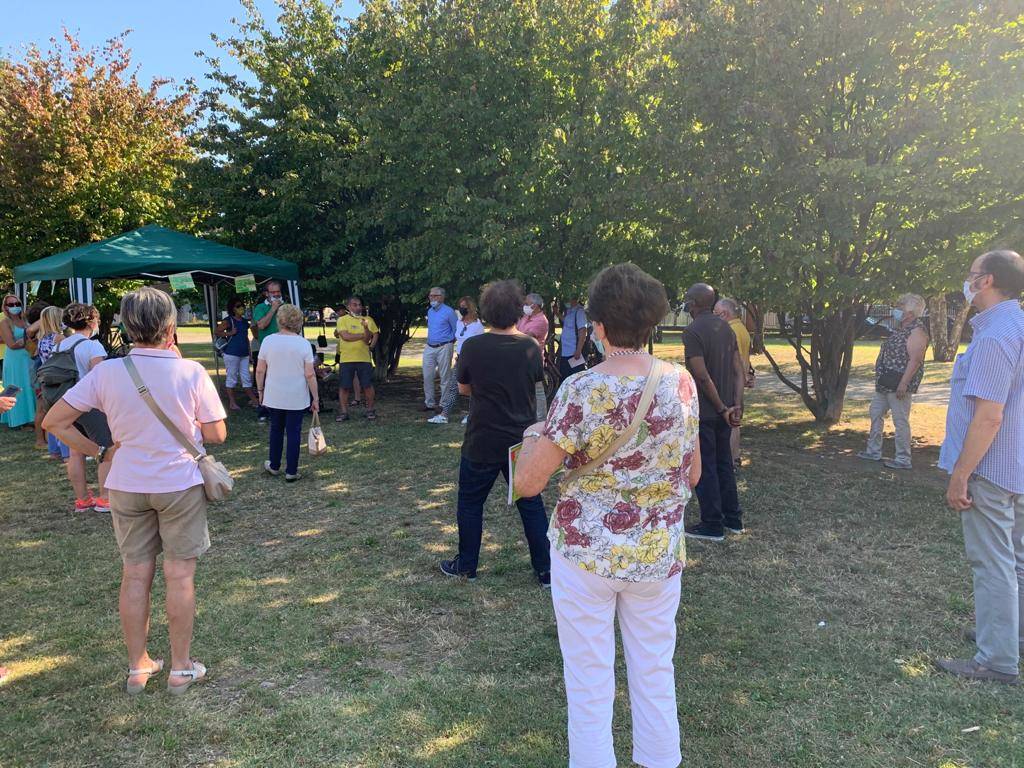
(371, 415)
(135, 689)
(195, 675)
(341, 417)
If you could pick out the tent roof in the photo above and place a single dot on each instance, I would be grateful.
(153, 250)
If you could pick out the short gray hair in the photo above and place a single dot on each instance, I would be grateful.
(148, 315)
(912, 302)
(534, 298)
(729, 306)
(438, 289)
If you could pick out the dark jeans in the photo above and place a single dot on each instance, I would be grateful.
(565, 370)
(282, 422)
(475, 483)
(716, 491)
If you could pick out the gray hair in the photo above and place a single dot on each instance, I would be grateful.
(148, 315)
(729, 306)
(534, 298)
(913, 303)
(438, 289)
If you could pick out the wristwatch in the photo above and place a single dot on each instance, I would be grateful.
(533, 433)
(102, 454)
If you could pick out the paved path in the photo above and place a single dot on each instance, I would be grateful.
(858, 389)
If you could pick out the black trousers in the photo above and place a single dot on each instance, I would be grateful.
(716, 491)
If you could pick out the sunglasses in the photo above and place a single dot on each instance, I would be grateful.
(15, 304)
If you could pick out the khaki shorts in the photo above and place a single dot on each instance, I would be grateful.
(147, 524)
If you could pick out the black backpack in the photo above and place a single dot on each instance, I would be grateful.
(57, 375)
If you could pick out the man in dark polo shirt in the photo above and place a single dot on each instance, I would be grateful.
(713, 358)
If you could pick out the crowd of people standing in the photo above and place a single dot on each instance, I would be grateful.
(631, 440)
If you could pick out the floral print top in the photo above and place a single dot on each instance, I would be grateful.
(894, 357)
(624, 520)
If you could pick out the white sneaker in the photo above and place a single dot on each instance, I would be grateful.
(465, 419)
(267, 468)
(439, 419)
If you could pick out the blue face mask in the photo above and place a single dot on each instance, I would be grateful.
(14, 310)
(897, 315)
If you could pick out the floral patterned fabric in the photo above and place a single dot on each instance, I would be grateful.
(624, 520)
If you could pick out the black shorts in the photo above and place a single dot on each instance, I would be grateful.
(94, 426)
(349, 371)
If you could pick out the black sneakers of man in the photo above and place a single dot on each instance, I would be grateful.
(704, 532)
(544, 579)
(454, 568)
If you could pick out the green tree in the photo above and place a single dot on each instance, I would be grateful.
(86, 151)
(828, 153)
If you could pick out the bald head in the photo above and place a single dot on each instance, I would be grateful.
(700, 297)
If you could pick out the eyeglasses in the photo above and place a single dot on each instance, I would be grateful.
(976, 275)
(14, 304)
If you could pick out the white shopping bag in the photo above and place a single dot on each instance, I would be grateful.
(317, 441)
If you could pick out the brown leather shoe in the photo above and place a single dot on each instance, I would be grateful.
(971, 636)
(972, 670)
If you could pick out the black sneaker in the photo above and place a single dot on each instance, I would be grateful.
(703, 532)
(452, 568)
(735, 528)
(544, 579)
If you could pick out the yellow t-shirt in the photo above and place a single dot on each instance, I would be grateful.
(354, 351)
(743, 340)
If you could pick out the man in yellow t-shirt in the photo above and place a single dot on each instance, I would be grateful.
(357, 335)
(729, 310)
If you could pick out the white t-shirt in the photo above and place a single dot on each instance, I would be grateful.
(464, 331)
(84, 352)
(285, 385)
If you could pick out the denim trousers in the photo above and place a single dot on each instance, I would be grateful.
(716, 491)
(284, 422)
(475, 483)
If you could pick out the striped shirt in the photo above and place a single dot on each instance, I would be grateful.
(992, 368)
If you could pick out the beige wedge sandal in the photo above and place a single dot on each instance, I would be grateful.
(137, 688)
(195, 675)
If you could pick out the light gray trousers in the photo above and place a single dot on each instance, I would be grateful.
(994, 542)
(437, 361)
(883, 403)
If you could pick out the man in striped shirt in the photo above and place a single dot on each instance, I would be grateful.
(984, 455)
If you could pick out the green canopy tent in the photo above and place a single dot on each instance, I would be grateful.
(156, 252)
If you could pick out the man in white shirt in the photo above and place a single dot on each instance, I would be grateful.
(84, 321)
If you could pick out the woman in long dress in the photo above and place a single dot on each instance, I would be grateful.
(17, 363)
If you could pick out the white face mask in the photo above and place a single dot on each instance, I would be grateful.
(969, 292)
(435, 304)
(527, 310)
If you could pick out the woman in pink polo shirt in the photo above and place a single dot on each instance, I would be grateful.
(156, 490)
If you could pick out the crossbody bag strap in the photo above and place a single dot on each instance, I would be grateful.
(147, 398)
(647, 396)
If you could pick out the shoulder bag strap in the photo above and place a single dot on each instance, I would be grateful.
(653, 380)
(144, 393)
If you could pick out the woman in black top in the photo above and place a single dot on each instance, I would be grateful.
(500, 370)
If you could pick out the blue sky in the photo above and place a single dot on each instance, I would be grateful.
(165, 35)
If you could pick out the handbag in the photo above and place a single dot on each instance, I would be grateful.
(317, 443)
(217, 481)
(646, 397)
(890, 380)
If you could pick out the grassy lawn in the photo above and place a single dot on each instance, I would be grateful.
(333, 640)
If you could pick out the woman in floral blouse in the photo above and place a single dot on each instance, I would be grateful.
(617, 531)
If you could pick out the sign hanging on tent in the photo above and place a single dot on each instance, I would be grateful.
(245, 284)
(181, 282)
(34, 287)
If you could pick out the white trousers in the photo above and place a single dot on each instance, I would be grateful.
(585, 608)
(236, 369)
(436, 361)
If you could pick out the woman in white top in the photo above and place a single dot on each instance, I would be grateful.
(468, 326)
(286, 384)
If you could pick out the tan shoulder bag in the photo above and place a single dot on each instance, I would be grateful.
(217, 481)
(646, 397)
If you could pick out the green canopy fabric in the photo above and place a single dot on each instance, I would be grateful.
(153, 251)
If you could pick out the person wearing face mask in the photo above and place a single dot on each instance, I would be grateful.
(573, 339)
(235, 328)
(357, 335)
(17, 362)
(983, 452)
(468, 327)
(84, 322)
(534, 322)
(442, 325)
(264, 321)
(898, 372)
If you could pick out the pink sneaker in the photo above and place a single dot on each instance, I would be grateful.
(100, 504)
(85, 505)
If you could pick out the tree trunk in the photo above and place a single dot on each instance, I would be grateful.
(945, 340)
(825, 363)
(755, 324)
(394, 322)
